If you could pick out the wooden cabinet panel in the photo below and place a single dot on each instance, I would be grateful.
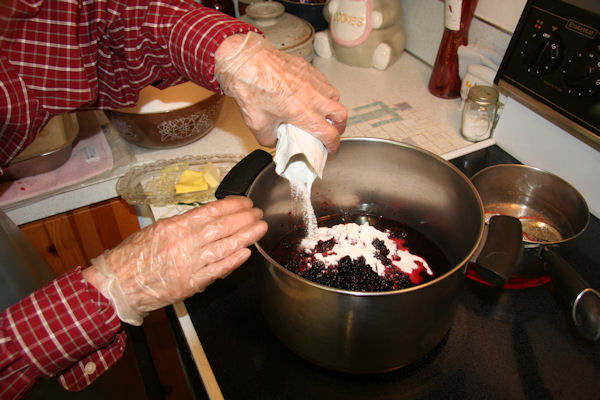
(123, 214)
(74, 238)
(40, 239)
(65, 243)
(86, 228)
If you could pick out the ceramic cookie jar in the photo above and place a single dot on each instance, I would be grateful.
(363, 33)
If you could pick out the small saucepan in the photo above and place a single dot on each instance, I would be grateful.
(530, 212)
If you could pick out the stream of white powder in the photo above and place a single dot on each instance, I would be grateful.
(301, 196)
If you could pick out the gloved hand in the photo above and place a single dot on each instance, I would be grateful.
(177, 257)
(272, 87)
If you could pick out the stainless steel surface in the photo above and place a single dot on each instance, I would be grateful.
(585, 310)
(552, 212)
(23, 268)
(46, 159)
(370, 332)
(550, 209)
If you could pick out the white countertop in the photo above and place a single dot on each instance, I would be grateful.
(393, 104)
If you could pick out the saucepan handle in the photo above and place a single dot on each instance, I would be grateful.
(584, 301)
(240, 177)
(502, 250)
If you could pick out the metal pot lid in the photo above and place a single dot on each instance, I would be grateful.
(284, 30)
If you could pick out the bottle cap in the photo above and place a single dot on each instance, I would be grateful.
(483, 94)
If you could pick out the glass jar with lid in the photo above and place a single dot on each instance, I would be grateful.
(479, 113)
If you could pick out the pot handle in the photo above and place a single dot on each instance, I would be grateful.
(584, 301)
(240, 177)
(502, 250)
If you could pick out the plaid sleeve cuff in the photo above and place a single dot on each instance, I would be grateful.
(194, 40)
(66, 328)
(88, 369)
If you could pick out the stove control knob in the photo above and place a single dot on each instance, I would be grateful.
(541, 52)
(581, 73)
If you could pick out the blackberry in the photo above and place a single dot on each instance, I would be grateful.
(356, 275)
(380, 246)
(396, 278)
(381, 252)
(323, 246)
(397, 232)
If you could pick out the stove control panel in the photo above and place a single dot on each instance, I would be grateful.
(552, 64)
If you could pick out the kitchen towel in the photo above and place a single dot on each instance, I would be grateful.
(91, 156)
(299, 156)
(480, 52)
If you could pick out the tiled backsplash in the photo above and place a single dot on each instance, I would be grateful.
(394, 117)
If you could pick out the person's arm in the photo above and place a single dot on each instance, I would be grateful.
(66, 329)
(272, 87)
(72, 327)
(59, 56)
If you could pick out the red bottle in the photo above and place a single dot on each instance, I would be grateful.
(444, 81)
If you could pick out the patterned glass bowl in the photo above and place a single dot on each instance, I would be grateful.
(168, 118)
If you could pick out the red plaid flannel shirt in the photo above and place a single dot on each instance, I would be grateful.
(58, 56)
(61, 55)
(66, 328)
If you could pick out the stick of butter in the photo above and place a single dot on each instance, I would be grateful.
(191, 181)
(212, 175)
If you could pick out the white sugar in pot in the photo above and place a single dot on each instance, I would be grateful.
(365, 332)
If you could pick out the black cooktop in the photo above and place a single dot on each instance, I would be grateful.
(503, 344)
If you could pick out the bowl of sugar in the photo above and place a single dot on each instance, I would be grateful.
(168, 118)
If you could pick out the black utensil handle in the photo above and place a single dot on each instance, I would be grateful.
(584, 301)
(240, 177)
(502, 250)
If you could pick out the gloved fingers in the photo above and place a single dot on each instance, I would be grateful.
(177, 249)
(273, 87)
(195, 283)
(327, 132)
(312, 112)
(304, 73)
(226, 225)
(339, 119)
(172, 273)
(327, 122)
(201, 215)
(209, 262)
(224, 247)
(218, 270)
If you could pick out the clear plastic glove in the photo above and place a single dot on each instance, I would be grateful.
(272, 87)
(177, 257)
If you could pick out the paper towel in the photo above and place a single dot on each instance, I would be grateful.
(480, 52)
(299, 157)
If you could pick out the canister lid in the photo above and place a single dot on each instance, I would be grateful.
(483, 94)
(285, 31)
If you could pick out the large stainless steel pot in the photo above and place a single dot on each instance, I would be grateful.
(368, 332)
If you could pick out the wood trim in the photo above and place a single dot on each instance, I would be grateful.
(74, 238)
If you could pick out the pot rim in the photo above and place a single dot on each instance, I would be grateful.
(462, 263)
